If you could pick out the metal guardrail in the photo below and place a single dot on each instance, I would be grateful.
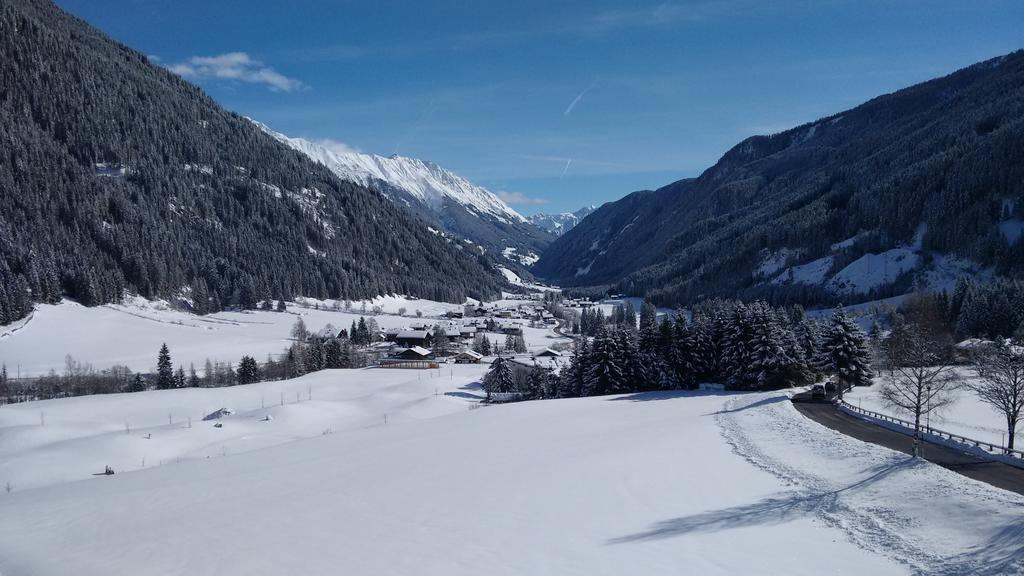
(942, 434)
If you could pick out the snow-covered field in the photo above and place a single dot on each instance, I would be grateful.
(64, 440)
(967, 416)
(131, 334)
(647, 484)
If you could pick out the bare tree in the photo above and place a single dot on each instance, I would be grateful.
(920, 378)
(1000, 383)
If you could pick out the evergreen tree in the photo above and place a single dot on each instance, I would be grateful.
(604, 373)
(737, 348)
(248, 370)
(179, 378)
(138, 384)
(510, 343)
(164, 369)
(573, 376)
(499, 377)
(519, 345)
(334, 354)
(193, 378)
(845, 352)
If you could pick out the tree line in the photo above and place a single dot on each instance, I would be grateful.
(743, 346)
(327, 348)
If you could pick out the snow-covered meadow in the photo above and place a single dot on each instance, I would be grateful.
(53, 441)
(130, 334)
(655, 483)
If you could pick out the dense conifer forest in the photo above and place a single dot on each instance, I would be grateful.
(116, 175)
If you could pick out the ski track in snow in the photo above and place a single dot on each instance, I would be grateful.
(849, 484)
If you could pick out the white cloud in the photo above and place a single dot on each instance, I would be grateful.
(237, 66)
(337, 147)
(519, 198)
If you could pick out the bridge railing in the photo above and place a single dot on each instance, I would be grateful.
(988, 447)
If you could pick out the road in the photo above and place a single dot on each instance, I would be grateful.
(995, 473)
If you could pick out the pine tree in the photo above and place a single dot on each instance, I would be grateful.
(510, 343)
(776, 358)
(498, 377)
(536, 385)
(333, 354)
(845, 352)
(193, 378)
(138, 384)
(164, 369)
(604, 374)
(248, 370)
(571, 380)
(520, 344)
(737, 346)
(179, 378)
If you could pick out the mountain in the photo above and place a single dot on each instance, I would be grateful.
(117, 174)
(441, 197)
(559, 224)
(905, 190)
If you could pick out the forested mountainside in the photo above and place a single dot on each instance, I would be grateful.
(445, 200)
(115, 174)
(909, 188)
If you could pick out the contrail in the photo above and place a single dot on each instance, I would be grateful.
(576, 100)
(567, 162)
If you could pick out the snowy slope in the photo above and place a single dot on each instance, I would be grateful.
(559, 224)
(425, 181)
(583, 486)
(130, 334)
(146, 429)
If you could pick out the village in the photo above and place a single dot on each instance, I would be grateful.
(519, 329)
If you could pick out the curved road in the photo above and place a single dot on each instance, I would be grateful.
(994, 473)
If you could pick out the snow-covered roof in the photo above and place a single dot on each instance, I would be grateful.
(471, 354)
(412, 334)
(415, 350)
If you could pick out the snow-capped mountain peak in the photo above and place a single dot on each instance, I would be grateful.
(425, 181)
(559, 224)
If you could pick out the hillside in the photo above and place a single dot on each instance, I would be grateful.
(116, 174)
(912, 188)
(439, 196)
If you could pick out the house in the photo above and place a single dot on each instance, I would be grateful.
(468, 357)
(415, 357)
(511, 329)
(548, 353)
(411, 338)
(454, 314)
(413, 353)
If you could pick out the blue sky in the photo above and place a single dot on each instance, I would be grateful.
(555, 104)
